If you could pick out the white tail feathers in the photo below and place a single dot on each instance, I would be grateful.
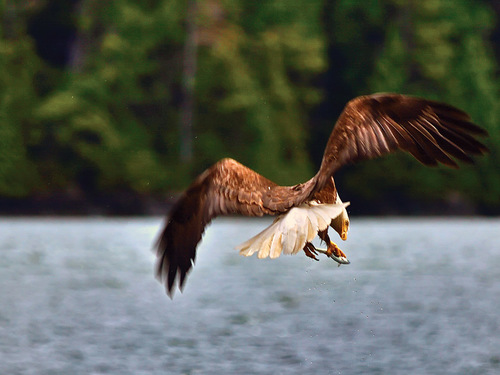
(290, 232)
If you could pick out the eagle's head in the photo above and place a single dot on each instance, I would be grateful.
(341, 224)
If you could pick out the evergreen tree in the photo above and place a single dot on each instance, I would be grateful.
(265, 82)
(439, 50)
(18, 67)
(254, 85)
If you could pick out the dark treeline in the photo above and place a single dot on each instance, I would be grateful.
(113, 106)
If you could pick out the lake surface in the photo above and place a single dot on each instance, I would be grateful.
(77, 296)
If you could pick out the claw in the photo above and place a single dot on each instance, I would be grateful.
(340, 260)
(335, 253)
(310, 251)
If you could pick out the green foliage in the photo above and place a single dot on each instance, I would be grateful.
(261, 78)
(104, 117)
(271, 78)
(439, 49)
(18, 65)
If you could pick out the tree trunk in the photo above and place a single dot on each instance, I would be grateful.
(188, 81)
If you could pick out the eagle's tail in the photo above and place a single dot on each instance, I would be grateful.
(290, 232)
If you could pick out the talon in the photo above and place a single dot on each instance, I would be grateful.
(334, 252)
(337, 254)
(310, 251)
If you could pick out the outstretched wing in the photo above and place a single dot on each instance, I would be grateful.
(227, 187)
(374, 125)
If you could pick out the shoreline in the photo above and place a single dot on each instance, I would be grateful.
(131, 204)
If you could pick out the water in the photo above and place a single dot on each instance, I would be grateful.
(77, 296)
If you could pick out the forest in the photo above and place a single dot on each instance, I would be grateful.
(113, 107)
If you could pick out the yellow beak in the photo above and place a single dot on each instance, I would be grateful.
(345, 228)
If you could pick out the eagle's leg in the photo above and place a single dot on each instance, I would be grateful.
(310, 251)
(332, 251)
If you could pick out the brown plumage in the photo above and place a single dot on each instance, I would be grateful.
(369, 126)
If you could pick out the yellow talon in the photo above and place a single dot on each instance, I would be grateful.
(335, 253)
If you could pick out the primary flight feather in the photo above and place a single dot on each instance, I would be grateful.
(369, 126)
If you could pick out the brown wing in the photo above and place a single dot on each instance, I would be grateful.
(227, 187)
(374, 125)
(328, 194)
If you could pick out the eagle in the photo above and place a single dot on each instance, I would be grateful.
(369, 126)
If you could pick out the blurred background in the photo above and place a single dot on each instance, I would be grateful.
(113, 107)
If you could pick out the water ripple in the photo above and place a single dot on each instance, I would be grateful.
(420, 296)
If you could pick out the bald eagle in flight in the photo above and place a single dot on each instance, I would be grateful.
(369, 126)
